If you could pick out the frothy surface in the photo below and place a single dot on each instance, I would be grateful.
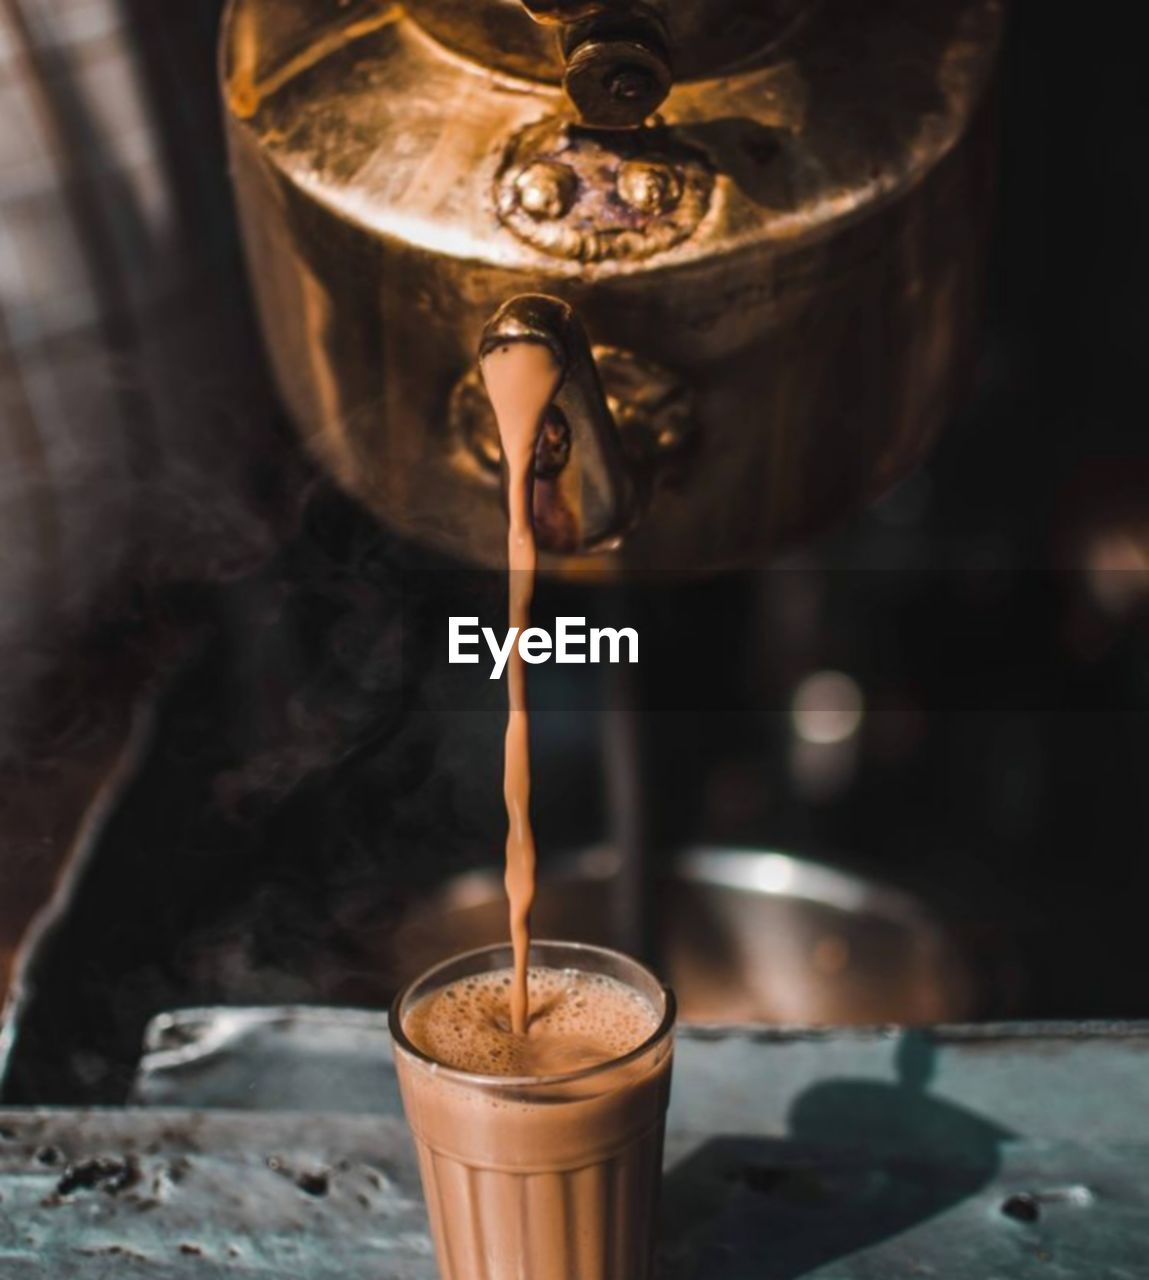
(577, 1020)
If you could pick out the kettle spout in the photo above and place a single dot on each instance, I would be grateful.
(584, 492)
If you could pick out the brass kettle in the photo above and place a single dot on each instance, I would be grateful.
(769, 216)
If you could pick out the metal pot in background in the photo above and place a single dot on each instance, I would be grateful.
(744, 936)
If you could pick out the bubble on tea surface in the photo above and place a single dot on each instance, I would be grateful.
(578, 1020)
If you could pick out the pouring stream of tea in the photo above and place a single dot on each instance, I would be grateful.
(521, 380)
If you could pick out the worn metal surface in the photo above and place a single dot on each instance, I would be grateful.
(211, 1194)
(269, 1059)
(1001, 1153)
(1028, 1079)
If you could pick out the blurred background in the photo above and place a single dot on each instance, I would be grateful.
(235, 767)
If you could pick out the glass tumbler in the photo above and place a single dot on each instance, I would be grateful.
(547, 1177)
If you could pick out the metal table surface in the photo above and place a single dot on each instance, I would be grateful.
(997, 1153)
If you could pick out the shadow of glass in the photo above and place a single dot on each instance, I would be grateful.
(863, 1161)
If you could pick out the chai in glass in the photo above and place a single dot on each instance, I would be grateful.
(540, 1152)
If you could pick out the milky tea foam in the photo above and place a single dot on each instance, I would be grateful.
(577, 1020)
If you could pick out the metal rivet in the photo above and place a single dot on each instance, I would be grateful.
(650, 188)
(546, 189)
